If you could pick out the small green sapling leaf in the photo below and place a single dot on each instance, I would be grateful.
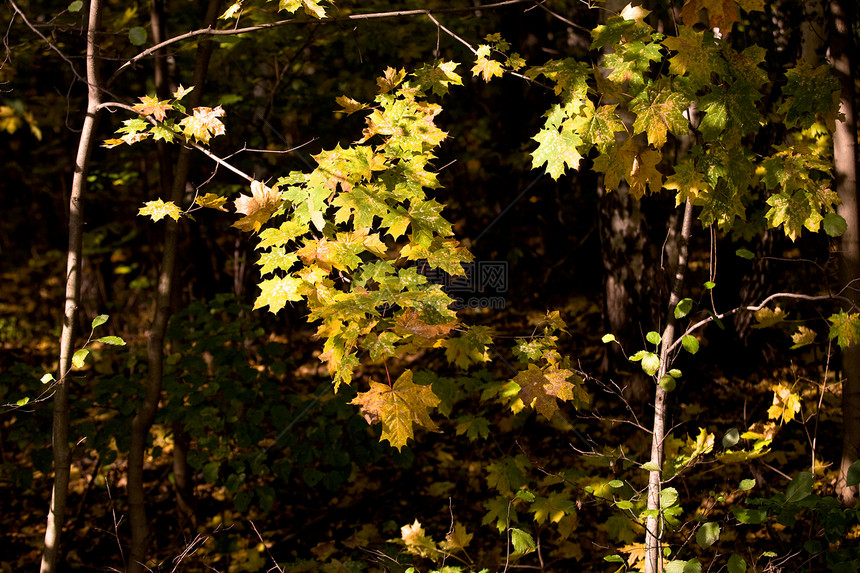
(650, 363)
(667, 383)
(607, 338)
(522, 541)
(690, 343)
(80, 357)
(745, 254)
(653, 337)
(683, 307)
(746, 484)
(99, 320)
(708, 534)
(737, 564)
(112, 340)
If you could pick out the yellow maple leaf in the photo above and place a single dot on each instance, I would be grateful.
(212, 201)
(257, 207)
(349, 105)
(390, 79)
(204, 124)
(457, 539)
(416, 541)
(398, 407)
(643, 173)
(487, 69)
(785, 404)
(159, 209)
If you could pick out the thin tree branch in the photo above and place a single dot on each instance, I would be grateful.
(209, 31)
(761, 305)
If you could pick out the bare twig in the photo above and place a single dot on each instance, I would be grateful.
(761, 305)
(209, 31)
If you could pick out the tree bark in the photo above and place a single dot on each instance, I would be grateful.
(142, 422)
(60, 430)
(653, 533)
(845, 166)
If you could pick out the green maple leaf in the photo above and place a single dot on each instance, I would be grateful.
(619, 29)
(132, 126)
(473, 426)
(508, 474)
(276, 292)
(396, 221)
(845, 328)
(794, 210)
(730, 109)
(427, 222)
(469, 348)
(693, 57)
(381, 345)
(730, 165)
(745, 66)
(598, 126)
(163, 132)
(339, 166)
(445, 254)
(398, 407)
(437, 77)
(552, 508)
(569, 75)
(688, 182)
(276, 258)
(810, 92)
(286, 232)
(158, 209)
(721, 205)
(556, 150)
(363, 204)
(659, 109)
(631, 60)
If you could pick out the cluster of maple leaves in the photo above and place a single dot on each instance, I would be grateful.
(342, 236)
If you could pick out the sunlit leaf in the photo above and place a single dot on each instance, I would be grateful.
(158, 209)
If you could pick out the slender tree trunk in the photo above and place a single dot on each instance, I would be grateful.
(845, 161)
(142, 422)
(653, 525)
(60, 438)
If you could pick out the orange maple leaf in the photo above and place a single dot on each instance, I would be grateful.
(151, 106)
(410, 323)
